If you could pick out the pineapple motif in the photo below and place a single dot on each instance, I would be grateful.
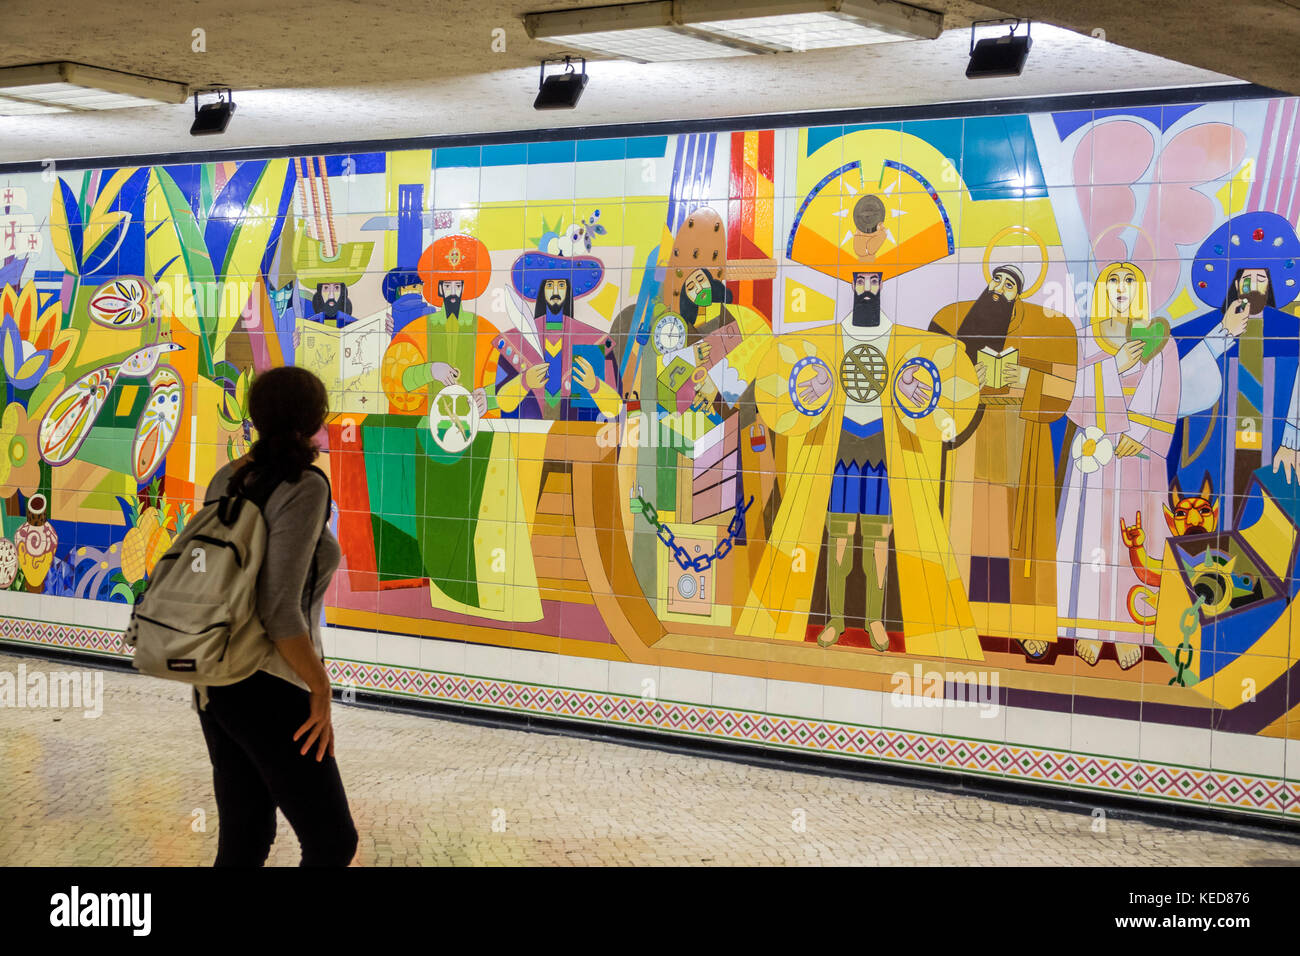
(144, 545)
(152, 529)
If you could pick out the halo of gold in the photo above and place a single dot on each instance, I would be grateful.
(1124, 225)
(1042, 253)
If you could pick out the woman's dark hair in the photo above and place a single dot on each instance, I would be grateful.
(288, 407)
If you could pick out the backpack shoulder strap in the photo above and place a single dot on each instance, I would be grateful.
(329, 495)
(230, 502)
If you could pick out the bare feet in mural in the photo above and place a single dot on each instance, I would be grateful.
(1128, 654)
(1034, 649)
(875, 633)
(1089, 651)
(829, 635)
(879, 638)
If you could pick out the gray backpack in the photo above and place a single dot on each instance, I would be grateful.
(197, 620)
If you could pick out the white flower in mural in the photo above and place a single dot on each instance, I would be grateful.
(1091, 450)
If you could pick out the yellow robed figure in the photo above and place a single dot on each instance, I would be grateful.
(937, 618)
(895, 223)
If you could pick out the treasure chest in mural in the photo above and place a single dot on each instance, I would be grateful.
(1227, 614)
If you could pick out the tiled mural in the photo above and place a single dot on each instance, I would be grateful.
(1004, 407)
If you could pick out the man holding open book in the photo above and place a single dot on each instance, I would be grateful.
(999, 474)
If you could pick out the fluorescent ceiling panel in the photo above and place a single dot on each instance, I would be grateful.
(662, 30)
(74, 87)
(799, 31)
(648, 44)
(18, 108)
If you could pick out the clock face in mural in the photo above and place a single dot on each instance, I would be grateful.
(670, 334)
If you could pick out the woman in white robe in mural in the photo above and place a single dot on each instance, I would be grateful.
(1125, 407)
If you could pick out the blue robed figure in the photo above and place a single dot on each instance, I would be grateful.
(1239, 408)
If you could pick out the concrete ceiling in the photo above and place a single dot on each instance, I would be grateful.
(339, 70)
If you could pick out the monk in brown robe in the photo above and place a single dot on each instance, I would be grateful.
(999, 497)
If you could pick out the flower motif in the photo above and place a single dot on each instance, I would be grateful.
(31, 342)
(1091, 449)
(20, 465)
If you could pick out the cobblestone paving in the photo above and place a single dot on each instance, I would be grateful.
(133, 786)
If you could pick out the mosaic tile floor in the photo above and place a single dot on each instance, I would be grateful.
(133, 787)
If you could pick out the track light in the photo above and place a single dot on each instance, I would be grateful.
(998, 56)
(560, 91)
(212, 118)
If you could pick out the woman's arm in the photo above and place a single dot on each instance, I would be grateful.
(301, 655)
(294, 518)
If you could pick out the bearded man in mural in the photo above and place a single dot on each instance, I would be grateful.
(999, 498)
(446, 483)
(860, 488)
(900, 390)
(863, 408)
(331, 305)
(695, 289)
(697, 371)
(707, 343)
(450, 345)
(835, 396)
(1240, 362)
(552, 366)
(699, 291)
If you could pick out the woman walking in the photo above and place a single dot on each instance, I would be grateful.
(270, 736)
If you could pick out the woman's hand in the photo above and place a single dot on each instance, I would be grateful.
(1128, 355)
(318, 728)
(1126, 447)
(301, 655)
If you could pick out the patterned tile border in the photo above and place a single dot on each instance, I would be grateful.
(1169, 782)
(70, 636)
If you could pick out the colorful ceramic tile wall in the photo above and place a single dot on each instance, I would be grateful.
(989, 412)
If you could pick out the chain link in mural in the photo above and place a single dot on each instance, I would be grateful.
(701, 562)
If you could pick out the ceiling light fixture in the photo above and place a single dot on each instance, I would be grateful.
(560, 91)
(77, 88)
(666, 30)
(211, 119)
(998, 56)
